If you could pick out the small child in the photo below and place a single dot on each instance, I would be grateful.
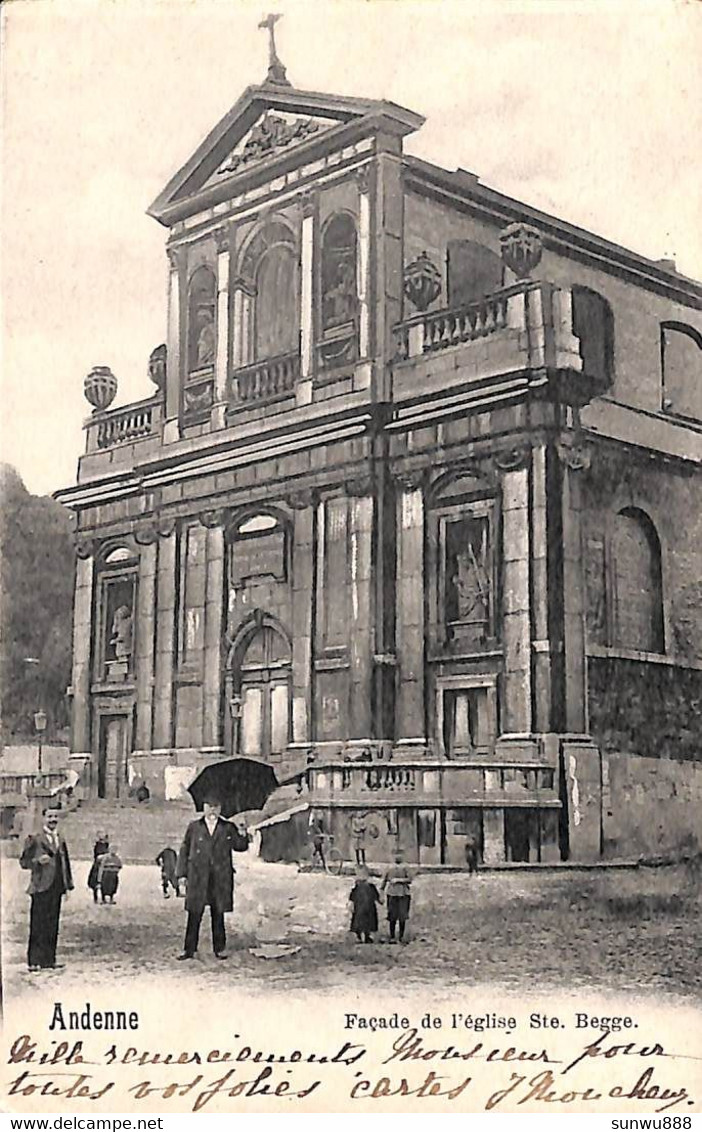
(398, 881)
(168, 859)
(108, 874)
(364, 896)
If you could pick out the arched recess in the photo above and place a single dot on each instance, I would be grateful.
(269, 266)
(637, 582)
(202, 334)
(593, 324)
(338, 291)
(681, 369)
(258, 689)
(117, 569)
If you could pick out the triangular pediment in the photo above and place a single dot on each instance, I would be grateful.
(271, 134)
(267, 125)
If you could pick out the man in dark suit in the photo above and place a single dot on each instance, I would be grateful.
(205, 860)
(46, 854)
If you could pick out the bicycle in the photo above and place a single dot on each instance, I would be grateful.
(332, 861)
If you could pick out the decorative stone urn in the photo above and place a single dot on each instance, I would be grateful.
(521, 248)
(100, 388)
(422, 282)
(157, 366)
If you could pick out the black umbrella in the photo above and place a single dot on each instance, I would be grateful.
(239, 784)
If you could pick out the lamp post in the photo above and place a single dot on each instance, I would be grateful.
(40, 728)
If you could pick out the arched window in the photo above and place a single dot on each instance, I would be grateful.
(593, 324)
(276, 310)
(681, 369)
(339, 291)
(201, 320)
(637, 582)
(472, 271)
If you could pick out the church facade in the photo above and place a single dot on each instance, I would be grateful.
(412, 512)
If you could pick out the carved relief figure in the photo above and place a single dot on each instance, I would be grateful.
(122, 632)
(205, 338)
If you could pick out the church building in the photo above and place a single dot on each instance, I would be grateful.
(411, 511)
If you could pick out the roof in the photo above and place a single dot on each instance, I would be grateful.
(432, 179)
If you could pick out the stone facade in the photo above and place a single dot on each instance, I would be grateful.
(413, 510)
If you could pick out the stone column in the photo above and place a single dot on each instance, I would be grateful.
(303, 581)
(516, 705)
(165, 642)
(361, 635)
(409, 628)
(214, 613)
(171, 426)
(82, 637)
(219, 407)
(575, 458)
(145, 643)
(304, 386)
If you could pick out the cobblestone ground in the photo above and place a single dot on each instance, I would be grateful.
(624, 931)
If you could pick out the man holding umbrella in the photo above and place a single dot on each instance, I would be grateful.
(205, 860)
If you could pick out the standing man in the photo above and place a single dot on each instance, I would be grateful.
(358, 835)
(205, 860)
(46, 854)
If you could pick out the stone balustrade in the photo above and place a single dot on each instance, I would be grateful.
(437, 330)
(125, 425)
(462, 782)
(267, 380)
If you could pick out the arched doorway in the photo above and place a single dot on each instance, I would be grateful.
(258, 691)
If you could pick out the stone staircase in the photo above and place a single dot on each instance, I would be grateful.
(138, 831)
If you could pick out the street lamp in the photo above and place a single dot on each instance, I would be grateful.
(40, 728)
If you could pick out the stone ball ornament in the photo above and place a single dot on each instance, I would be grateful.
(100, 388)
(422, 282)
(157, 366)
(522, 247)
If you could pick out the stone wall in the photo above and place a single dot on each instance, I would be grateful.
(650, 805)
(648, 709)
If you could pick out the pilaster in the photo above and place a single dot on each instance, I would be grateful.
(409, 630)
(361, 636)
(176, 268)
(219, 407)
(82, 635)
(165, 642)
(302, 611)
(516, 701)
(145, 646)
(575, 459)
(214, 613)
(304, 386)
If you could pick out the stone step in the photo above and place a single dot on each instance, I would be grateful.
(138, 831)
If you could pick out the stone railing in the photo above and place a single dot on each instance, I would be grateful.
(126, 425)
(267, 380)
(437, 330)
(452, 780)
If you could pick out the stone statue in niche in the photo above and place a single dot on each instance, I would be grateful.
(340, 299)
(472, 587)
(122, 637)
(205, 348)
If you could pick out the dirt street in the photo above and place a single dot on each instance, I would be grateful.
(626, 931)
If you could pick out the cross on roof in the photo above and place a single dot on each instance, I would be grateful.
(276, 70)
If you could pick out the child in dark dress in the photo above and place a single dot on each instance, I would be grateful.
(108, 874)
(100, 847)
(364, 896)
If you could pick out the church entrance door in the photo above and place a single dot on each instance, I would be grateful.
(112, 757)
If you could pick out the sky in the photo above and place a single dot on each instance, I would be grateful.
(589, 111)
